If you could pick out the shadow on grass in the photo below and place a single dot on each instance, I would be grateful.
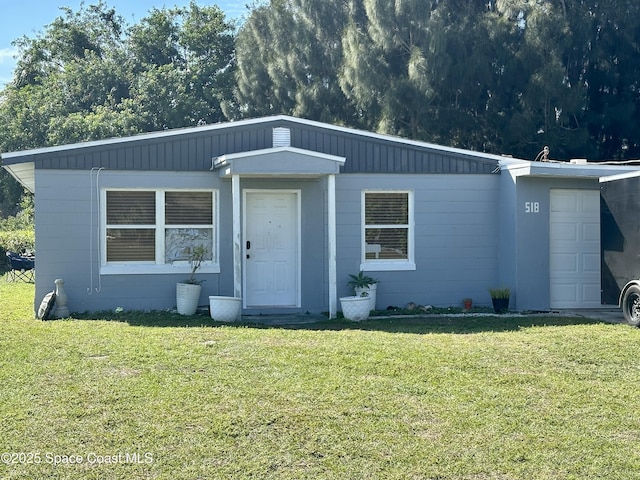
(424, 324)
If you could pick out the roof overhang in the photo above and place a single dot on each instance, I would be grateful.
(620, 176)
(278, 162)
(24, 173)
(566, 169)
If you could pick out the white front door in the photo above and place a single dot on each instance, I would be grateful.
(575, 248)
(272, 248)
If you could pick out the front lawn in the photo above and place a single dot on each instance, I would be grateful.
(423, 398)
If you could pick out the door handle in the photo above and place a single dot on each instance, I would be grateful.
(248, 245)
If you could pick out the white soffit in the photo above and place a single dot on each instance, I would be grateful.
(24, 173)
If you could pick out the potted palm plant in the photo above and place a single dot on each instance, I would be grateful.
(188, 292)
(362, 283)
(500, 298)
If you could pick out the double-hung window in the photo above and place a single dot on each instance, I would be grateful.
(387, 230)
(154, 231)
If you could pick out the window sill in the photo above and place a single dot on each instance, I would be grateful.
(150, 269)
(382, 266)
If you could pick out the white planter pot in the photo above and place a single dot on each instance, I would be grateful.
(225, 309)
(187, 298)
(371, 291)
(355, 308)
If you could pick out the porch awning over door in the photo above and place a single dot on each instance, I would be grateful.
(278, 161)
(282, 162)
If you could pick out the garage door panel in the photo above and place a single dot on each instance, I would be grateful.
(563, 293)
(566, 202)
(567, 232)
(591, 264)
(591, 291)
(591, 232)
(574, 239)
(565, 262)
(590, 203)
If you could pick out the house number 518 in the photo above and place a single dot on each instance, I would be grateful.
(531, 207)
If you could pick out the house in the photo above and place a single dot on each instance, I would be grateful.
(288, 208)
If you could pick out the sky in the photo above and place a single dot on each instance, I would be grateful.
(30, 18)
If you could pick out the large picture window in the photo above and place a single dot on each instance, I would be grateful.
(387, 230)
(158, 227)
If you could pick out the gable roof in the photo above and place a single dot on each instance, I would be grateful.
(193, 149)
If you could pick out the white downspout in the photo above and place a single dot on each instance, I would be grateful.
(331, 220)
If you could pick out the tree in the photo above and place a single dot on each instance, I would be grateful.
(89, 76)
(508, 76)
(183, 64)
(288, 54)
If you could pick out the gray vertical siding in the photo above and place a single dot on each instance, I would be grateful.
(192, 150)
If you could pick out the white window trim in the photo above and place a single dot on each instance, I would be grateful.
(372, 265)
(157, 267)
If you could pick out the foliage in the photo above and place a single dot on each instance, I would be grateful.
(89, 76)
(10, 194)
(361, 280)
(196, 256)
(289, 56)
(503, 77)
(502, 292)
(19, 241)
(17, 233)
(528, 397)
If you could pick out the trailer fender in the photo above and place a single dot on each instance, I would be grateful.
(625, 288)
(629, 302)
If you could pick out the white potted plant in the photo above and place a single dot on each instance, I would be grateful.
(355, 308)
(362, 283)
(188, 292)
(225, 309)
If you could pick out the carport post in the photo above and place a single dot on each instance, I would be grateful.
(331, 231)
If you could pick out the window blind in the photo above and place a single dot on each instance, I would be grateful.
(188, 208)
(386, 225)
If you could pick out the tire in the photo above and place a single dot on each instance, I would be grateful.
(631, 305)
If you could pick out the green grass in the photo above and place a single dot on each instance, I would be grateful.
(420, 398)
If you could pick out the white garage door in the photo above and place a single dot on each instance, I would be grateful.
(575, 248)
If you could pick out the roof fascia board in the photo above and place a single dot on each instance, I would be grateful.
(566, 170)
(141, 136)
(223, 160)
(619, 176)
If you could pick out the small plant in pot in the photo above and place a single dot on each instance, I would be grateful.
(188, 292)
(500, 298)
(362, 283)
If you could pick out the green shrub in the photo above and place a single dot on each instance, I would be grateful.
(504, 292)
(18, 240)
(17, 234)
